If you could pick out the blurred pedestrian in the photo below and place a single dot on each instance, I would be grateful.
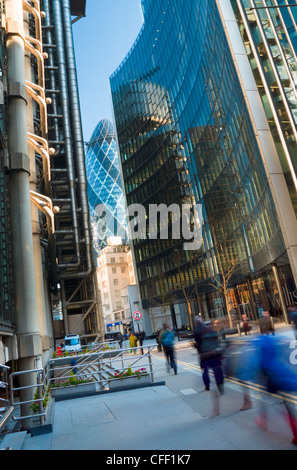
(245, 324)
(198, 330)
(292, 313)
(120, 339)
(266, 367)
(265, 323)
(159, 346)
(210, 353)
(132, 342)
(166, 339)
(141, 335)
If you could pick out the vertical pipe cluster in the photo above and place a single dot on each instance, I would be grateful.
(27, 325)
(72, 141)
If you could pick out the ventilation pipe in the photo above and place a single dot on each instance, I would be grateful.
(77, 131)
(72, 127)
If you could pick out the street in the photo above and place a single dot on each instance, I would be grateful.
(174, 416)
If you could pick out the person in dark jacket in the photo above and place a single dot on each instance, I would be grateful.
(210, 353)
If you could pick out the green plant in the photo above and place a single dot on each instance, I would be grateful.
(71, 381)
(35, 407)
(130, 373)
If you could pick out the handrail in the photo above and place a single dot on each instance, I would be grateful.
(41, 386)
(100, 366)
(85, 355)
(5, 408)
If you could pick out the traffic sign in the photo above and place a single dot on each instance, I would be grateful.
(137, 315)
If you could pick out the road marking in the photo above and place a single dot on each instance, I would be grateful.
(188, 391)
(256, 387)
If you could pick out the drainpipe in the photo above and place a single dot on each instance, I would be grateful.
(26, 312)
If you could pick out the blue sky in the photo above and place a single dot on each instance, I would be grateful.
(102, 39)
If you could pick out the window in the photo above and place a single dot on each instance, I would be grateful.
(115, 282)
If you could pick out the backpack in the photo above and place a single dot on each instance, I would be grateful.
(167, 339)
(210, 344)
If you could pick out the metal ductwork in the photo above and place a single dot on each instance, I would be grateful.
(74, 248)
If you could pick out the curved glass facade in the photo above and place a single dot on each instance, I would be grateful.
(104, 185)
(185, 137)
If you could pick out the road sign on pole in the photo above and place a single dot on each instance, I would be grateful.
(137, 315)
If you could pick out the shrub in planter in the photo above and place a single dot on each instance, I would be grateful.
(35, 407)
(71, 381)
(129, 373)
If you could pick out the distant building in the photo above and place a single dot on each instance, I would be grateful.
(115, 273)
(105, 194)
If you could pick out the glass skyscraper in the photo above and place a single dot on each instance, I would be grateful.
(269, 37)
(105, 193)
(186, 137)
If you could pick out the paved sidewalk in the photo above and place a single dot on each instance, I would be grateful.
(175, 416)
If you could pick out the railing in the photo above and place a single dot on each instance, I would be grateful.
(5, 408)
(39, 384)
(101, 366)
(96, 348)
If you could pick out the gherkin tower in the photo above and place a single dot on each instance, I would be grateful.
(105, 193)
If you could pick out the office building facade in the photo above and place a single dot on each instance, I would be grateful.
(105, 193)
(187, 135)
(47, 259)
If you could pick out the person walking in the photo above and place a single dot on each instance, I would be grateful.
(265, 366)
(133, 341)
(120, 340)
(292, 314)
(166, 339)
(198, 331)
(245, 324)
(141, 337)
(265, 323)
(210, 353)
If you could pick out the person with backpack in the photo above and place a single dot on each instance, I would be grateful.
(166, 339)
(210, 352)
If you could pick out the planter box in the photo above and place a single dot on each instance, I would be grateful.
(129, 382)
(73, 389)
